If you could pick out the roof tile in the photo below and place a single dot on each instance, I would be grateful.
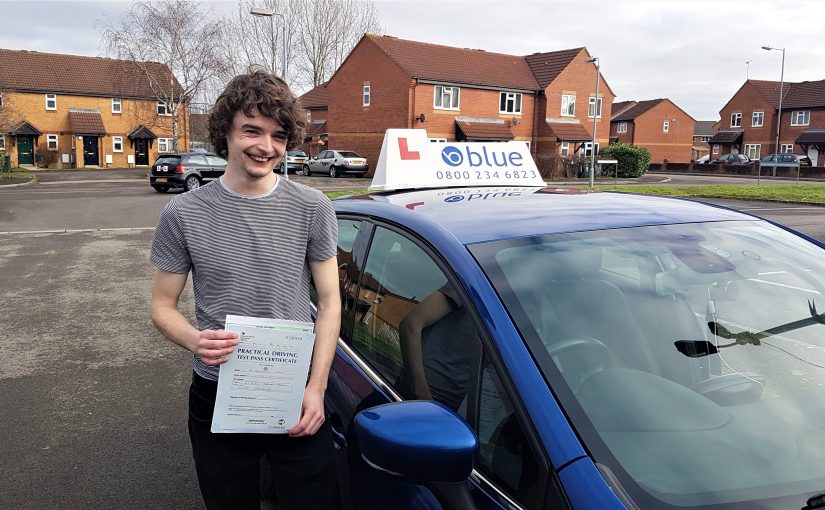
(484, 130)
(636, 110)
(316, 98)
(86, 122)
(570, 131)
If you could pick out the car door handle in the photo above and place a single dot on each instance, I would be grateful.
(338, 435)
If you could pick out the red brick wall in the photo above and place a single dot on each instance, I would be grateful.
(675, 145)
(361, 128)
(788, 133)
(626, 137)
(578, 78)
(746, 101)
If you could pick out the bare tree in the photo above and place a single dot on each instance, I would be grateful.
(177, 34)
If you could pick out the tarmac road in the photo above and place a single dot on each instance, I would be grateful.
(93, 399)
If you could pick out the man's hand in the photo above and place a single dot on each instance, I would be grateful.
(214, 345)
(312, 413)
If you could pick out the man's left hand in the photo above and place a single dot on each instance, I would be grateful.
(312, 414)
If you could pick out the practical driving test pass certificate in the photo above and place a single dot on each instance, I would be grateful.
(261, 387)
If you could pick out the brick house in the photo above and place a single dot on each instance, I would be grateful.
(315, 104)
(658, 125)
(749, 120)
(460, 94)
(703, 131)
(72, 111)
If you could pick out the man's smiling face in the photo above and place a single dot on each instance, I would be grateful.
(255, 146)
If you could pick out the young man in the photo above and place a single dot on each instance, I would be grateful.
(251, 241)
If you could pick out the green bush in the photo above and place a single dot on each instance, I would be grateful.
(633, 160)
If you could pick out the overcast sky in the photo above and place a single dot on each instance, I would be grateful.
(693, 52)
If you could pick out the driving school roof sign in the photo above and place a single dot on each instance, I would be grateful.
(409, 161)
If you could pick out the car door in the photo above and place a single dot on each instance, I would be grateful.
(387, 278)
(197, 163)
(315, 164)
(215, 166)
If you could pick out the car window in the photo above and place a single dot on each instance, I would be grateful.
(197, 160)
(349, 154)
(215, 161)
(787, 158)
(504, 454)
(168, 160)
(324, 155)
(412, 325)
(297, 154)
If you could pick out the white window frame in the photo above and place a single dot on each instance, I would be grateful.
(591, 104)
(53, 99)
(52, 139)
(753, 150)
(568, 105)
(366, 95)
(587, 147)
(117, 141)
(447, 91)
(437, 140)
(163, 109)
(706, 138)
(512, 103)
(1, 98)
(736, 119)
(309, 117)
(716, 148)
(165, 145)
(2, 142)
(117, 105)
(564, 148)
(760, 116)
(800, 117)
(622, 127)
(666, 126)
(786, 148)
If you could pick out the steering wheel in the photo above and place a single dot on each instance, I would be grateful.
(579, 358)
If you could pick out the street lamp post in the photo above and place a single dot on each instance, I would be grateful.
(270, 13)
(595, 118)
(676, 152)
(781, 85)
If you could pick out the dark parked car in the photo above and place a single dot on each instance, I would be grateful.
(186, 170)
(335, 163)
(786, 160)
(732, 159)
(295, 160)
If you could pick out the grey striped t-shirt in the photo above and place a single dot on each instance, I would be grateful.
(248, 255)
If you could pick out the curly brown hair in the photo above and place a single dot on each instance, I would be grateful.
(262, 91)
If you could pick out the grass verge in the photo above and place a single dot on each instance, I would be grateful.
(793, 193)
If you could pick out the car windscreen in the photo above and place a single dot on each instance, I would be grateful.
(690, 358)
(349, 154)
(297, 154)
(168, 160)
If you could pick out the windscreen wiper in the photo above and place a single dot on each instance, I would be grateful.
(814, 502)
(699, 348)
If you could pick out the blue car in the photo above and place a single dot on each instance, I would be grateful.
(533, 348)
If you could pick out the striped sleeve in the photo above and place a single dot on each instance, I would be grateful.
(169, 251)
(323, 233)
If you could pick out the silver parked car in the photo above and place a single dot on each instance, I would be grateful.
(335, 163)
(786, 160)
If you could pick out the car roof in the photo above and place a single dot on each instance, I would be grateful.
(474, 215)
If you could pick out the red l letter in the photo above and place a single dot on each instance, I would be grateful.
(406, 153)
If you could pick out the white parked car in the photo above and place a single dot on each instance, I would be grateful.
(335, 163)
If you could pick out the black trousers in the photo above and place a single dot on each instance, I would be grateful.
(228, 465)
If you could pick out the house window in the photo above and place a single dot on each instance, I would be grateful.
(800, 117)
(2, 142)
(1, 99)
(51, 101)
(509, 102)
(716, 148)
(752, 150)
(622, 127)
(665, 126)
(592, 104)
(365, 100)
(116, 105)
(564, 149)
(736, 119)
(568, 105)
(786, 148)
(309, 117)
(705, 138)
(588, 148)
(165, 144)
(51, 142)
(446, 98)
(758, 119)
(117, 144)
(163, 108)
(437, 140)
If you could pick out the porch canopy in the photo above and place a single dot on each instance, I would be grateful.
(812, 137)
(727, 137)
(482, 129)
(141, 132)
(24, 128)
(86, 122)
(570, 132)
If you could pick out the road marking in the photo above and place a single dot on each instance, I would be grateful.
(74, 231)
(781, 208)
(783, 285)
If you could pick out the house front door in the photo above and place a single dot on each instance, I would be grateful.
(141, 152)
(90, 157)
(25, 150)
(813, 153)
